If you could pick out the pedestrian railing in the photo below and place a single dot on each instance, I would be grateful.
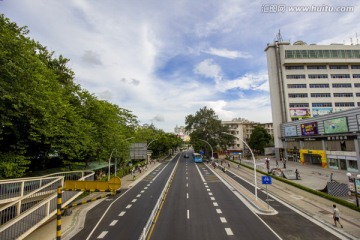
(27, 203)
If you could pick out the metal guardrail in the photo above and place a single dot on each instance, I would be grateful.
(30, 202)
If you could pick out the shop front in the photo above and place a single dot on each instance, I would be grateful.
(315, 157)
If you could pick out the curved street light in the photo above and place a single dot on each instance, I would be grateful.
(212, 151)
(115, 158)
(147, 148)
(252, 154)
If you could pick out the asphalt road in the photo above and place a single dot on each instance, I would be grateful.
(124, 217)
(199, 206)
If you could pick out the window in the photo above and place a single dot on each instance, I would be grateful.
(296, 85)
(298, 105)
(355, 66)
(341, 85)
(298, 76)
(320, 95)
(356, 85)
(343, 54)
(339, 67)
(356, 75)
(316, 66)
(294, 67)
(343, 94)
(298, 95)
(340, 75)
(358, 94)
(319, 86)
(344, 104)
(316, 76)
(321, 104)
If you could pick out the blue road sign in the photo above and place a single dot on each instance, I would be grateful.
(266, 180)
(202, 152)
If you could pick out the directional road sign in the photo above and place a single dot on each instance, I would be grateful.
(266, 180)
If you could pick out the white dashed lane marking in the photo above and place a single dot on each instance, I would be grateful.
(212, 198)
(102, 235)
(139, 195)
(128, 206)
(223, 220)
(188, 214)
(218, 211)
(228, 231)
(134, 200)
(122, 214)
(113, 223)
(215, 204)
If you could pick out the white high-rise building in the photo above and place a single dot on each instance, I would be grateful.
(308, 80)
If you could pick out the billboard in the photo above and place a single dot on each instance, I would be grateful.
(300, 113)
(309, 129)
(321, 111)
(138, 151)
(290, 131)
(336, 125)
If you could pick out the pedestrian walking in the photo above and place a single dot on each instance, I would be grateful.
(277, 163)
(285, 163)
(267, 164)
(297, 174)
(229, 165)
(336, 216)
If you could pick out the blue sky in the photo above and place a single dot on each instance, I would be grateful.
(164, 59)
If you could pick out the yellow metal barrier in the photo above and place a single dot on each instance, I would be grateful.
(93, 186)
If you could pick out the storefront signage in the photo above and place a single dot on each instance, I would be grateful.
(290, 131)
(309, 129)
(321, 111)
(300, 113)
(336, 125)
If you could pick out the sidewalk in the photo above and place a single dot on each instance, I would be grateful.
(316, 207)
(70, 225)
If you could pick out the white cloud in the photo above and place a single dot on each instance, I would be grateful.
(151, 57)
(227, 53)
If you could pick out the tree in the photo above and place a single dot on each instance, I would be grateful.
(259, 139)
(205, 125)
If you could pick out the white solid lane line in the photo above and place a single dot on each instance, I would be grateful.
(102, 235)
(228, 231)
(122, 214)
(113, 223)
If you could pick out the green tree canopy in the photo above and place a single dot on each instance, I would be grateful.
(205, 125)
(259, 139)
(45, 117)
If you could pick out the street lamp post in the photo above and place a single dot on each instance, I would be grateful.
(252, 154)
(212, 151)
(353, 179)
(115, 159)
(147, 148)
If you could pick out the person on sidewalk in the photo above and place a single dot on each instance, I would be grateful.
(336, 216)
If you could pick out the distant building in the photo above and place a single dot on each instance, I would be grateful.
(243, 128)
